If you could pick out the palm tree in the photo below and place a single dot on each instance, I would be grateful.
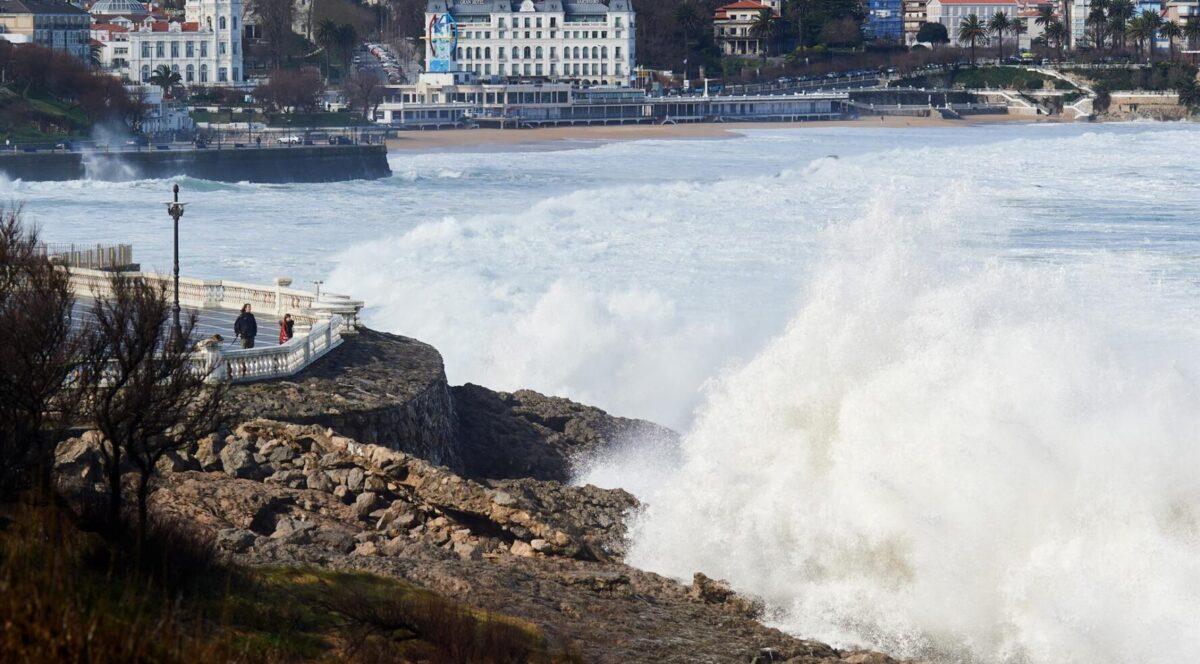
(1191, 30)
(1119, 13)
(1056, 32)
(164, 78)
(764, 28)
(1170, 31)
(1137, 30)
(347, 38)
(970, 30)
(1017, 27)
(1097, 20)
(1153, 21)
(998, 26)
(327, 37)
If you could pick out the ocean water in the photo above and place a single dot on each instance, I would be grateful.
(938, 387)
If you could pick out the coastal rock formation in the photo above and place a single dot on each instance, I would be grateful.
(283, 493)
(376, 387)
(526, 434)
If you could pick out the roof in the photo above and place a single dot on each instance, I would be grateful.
(127, 7)
(1012, 3)
(740, 5)
(111, 27)
(38, 7)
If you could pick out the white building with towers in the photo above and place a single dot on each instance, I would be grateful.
(588, 42)
(205, 49)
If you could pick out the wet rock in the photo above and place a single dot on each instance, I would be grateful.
(710, 591)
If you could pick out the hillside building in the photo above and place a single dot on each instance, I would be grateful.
(49, 23)
(733, 27)
(555, 40)
(204, 49)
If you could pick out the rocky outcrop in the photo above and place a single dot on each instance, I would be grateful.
(376, 387)
(526, 434)
(277, 493)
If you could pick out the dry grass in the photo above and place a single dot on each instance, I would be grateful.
(67, 595)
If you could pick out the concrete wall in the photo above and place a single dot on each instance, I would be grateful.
(273, 165)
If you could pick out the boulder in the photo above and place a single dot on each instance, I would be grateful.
(522, 549)
(238, 461)
(236, 540)
(208, 452)
(318, 481)
(711, 591)
(366, 503)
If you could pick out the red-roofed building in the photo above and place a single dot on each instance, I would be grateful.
(733, 26)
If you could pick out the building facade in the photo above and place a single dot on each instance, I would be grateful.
(49, 23)
(885, 20)
(586, 42)
(204, 49)
(733, 27)
(951, 13)
(914, 17)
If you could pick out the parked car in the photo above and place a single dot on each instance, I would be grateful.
(289, 140)
(340, 140)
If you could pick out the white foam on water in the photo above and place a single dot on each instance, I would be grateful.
(946, 454)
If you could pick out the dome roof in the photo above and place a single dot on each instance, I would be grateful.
(122, 7)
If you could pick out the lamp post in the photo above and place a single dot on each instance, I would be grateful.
(175, 209)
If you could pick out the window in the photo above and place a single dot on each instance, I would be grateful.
(604, 69)
(587, 69)
(501, 68)
(235, 47)
(221, 74)
(538, 69)
(604, 52)
(235, 75)
(595, 53)
(160, 49)
(221, 23)
(487, 52)
(552, 69)
(459, 53)
(191, 73)
(527, 21)
(553, 21)
(516, 53)
(618, 22)
(203, 72)
(204, 49)
(501, 23)
(617, 52)
(478, 53)
(527, 69)
(538, 23)
(537, 53)
(487, 70)
(234, 19)
(174, 49)
(175, 69)
(145, 49)
(576, 52)
(221, 48)
(551, 52)
(190, 49)
(145, 73)
(528, 53)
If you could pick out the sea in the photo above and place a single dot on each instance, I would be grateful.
(938, 388)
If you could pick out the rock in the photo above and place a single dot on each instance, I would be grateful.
(294, 531)
(293, 479)
(365, 504)
(354, 479)
(366, 549)
(236, 540)
(522, 549)
(318, 481)
(539, 545)
(866, 657)
(503, 498)
(339, 540)
(342, 493)
(710, 591)
(281, 454)
(238, 461)
(375, 484)
(467, 551)
(208, 452)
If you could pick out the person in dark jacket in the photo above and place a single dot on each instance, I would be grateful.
(245, 327)
(287, 329)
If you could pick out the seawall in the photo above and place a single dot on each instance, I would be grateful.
(325, 163)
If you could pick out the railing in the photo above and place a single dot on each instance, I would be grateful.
(329, 318)
(251, 364)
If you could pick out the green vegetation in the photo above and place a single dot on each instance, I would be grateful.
(319, 119)
(1161, 76)
(38, 117)
(1007, 78)
(229, 115)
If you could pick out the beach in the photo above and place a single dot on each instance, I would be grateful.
(560, 137)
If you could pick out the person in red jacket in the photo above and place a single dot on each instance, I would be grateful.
(286, 329)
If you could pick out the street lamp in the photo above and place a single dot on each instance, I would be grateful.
(175, 209)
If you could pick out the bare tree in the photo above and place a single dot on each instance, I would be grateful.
(275, 17)
(38, 349)
(365, 90)
(145, 395)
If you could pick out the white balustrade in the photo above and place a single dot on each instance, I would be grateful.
(330, 318)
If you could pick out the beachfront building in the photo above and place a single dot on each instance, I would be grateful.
(50, 23)
(885, 20)
(733, 27)
(951, 13)
(582, 42)
(205, 48)
(914, 17)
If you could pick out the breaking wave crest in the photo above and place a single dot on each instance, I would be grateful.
(953, 456)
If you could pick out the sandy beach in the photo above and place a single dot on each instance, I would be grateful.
(560, 137)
